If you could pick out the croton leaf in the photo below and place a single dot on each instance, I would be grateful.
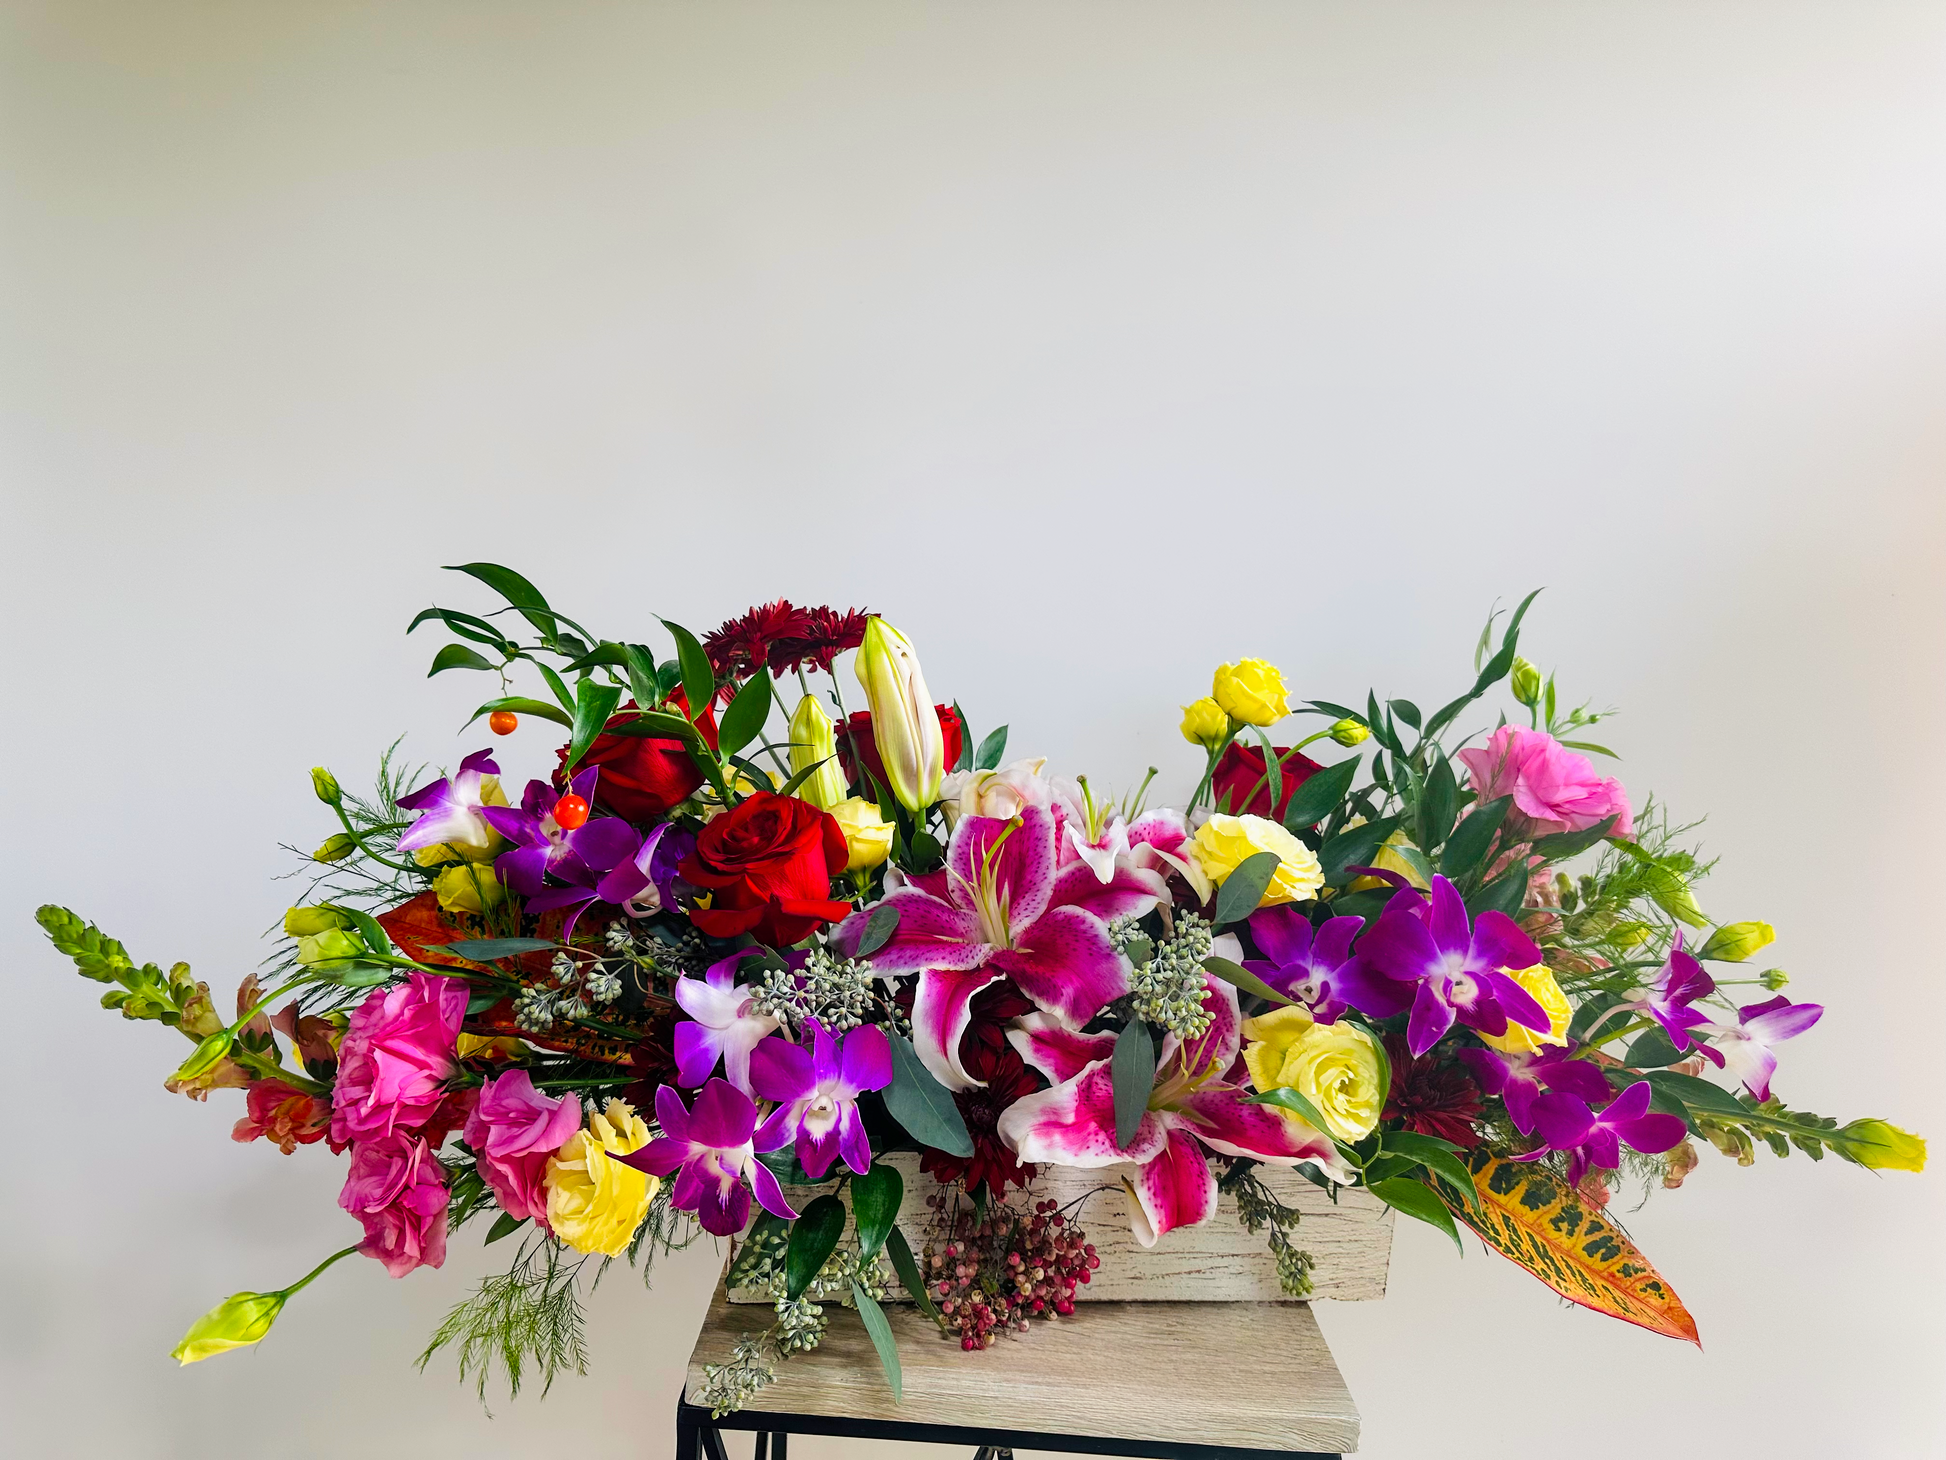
(1534, 1218)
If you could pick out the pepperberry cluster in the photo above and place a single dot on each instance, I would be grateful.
(1005, 1268)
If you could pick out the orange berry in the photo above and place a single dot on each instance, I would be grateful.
(570, 811)
(502, 722)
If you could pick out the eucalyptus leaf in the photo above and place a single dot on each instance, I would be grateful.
(992, 751)
(1240, 977)
(1133, 1070)
(922, 1105)
(485, 950)
(1244, 888)
(814, 1237)
(880, 925)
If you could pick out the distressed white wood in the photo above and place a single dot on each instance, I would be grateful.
(1218, 1262)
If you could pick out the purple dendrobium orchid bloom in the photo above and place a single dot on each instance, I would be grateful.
(1594, 1138)
(720, 1024)
(710, 1153)
(1318, 969)
(542, 848)
(645, 882)
(1745, 1046)
(451, 812)
(1457, 969)
(1679, 983)
(817, 1091)
(1519, 1078)
(1197, 1101)
(1002, 907)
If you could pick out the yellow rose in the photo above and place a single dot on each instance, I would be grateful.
(1882, 1146)
(1391, 861)
(466, 888)
(868, 835)
(1251, 690)
(1204, 723)
(1519, 1039)
(594, 1204)
(1224, 841)
(1334, 1066)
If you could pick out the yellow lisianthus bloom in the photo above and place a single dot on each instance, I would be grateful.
(1519, 1039)
(1334, 1066)
(237, 1322)
(1251, 690)
(594, 1204)
(1204, 723)
(868, 835)
(1224, 841)
(468, 887)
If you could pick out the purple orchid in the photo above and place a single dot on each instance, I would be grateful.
(1318, 969)
(577, 859)
(1679, 983)
(1745, 1046)
(817, 1092)
(452, 810)
(710, 1152)
(1001, 907)
(1595, 1138)
(720, 1024)
(646, 882)
(1519, 1078)
(1457, 969)
(1196, 1101)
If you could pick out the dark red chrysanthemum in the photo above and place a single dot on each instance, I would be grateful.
(986, 1055)
(831, 634)
(1432, 1098)
(782, 637)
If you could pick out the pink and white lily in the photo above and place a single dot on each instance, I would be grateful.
(721, 1024)
(1002, 907)
(1197, 1102)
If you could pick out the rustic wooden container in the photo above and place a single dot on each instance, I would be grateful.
(1350, 1242)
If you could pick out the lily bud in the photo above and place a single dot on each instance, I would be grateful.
(1883, 1146)
(868, 835)
(1734, 942)
(1204, 723)
(237, 1322)
(904, 723)
(326, 786)
(1349, 732)
(814, 742)
(304, 922)
(1774, 979)
(1525, 681)
(335, 848)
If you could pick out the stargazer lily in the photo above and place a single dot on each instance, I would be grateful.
(1196, 1102)
(1001, 908)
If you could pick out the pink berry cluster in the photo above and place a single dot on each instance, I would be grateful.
(1006, 1269)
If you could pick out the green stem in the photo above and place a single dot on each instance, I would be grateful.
(358, 839)
(1209, 771)
(301, 1282)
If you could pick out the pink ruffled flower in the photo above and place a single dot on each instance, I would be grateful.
(1554, 789)
(397, 1190)
(396, 1056)
(512, 1131)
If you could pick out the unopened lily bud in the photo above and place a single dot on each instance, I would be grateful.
(905, 725)
(326, 786)
(1525, 681)
(1204, 723)
(237, 1322)
(1774, 979)
(203, 1059)
(1350, 732)
(814, 742)
(335, 848)
(302, 922)
(868, 835)
(1734, 942)
(1883, 1146)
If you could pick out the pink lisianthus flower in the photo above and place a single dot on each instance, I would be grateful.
(288, 1116)
(1554, 788)
(512, 1131)
(397, 1190)
(395, 1058)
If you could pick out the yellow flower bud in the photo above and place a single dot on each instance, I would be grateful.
(1734, 942)
(1883, 1146)
(868, 835)
(1525, 681)
(1252, 691)
(327, 947)
(326, 786)
(1389, 859)
(466, 888)
(335, 849)
(1204, 723)
(904, 723)
(1223, 842)
(302, 922)
(1349, 732)
(1774, 979)
(1519, 1039)
(814, 742)
(1334, 1066)
(594, 1204)
(237, 1322)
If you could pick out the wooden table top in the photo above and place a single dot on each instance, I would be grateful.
(1249, 1375)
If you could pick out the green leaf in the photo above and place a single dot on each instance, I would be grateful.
(605, 654)
(1406, 711)
(1355, 846)
(1382, 731)
(505, 1225)
(922, 1105)
(1416, 1199)
(1244, 888)
(1273, 768)
(907, 1267)
(555, 684)
(485, 950)
(1240, 977)
(880, 1328)
(458, 656)
(880, 925)
(1319, 796)
(1503, 895)
(1466, 849)
(698, 679)
(992, 749)
(1133, 1071)
(593, 707)
(1288, 1099)
(965, 761)
(466, 625)
(1590, 746)
(1564, 844)
(789, 1171)
(1697, 1094)
(1435, 1155)
(519, 593)
(480, 1000)
(353, 973)
(1439, 805)
(789, 788)
(1653, 1050)
(744, 720)
(520, 705)
(642, 681)
(814, 1237)
(368, 929)
(875, 1199)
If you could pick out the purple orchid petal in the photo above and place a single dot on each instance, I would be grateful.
(1371, 993)
(1283, 934)
(1778, 1019)
(1577, 1077)
(1446, 920)
(1564, 1120)
(769, 1192)
(780, 1070)
(671, 1114)
(867, 1060)
(1517, 1004)
(778, 1130)
(817, 1144)
(722, 1116)
(697, 1047)
(824, 1055)
(852, 1142)
(1499, 943)
(524, 869)
(660, 1157)
(1399, 946)
(1491, 1070)
(604, 844)
(1432, 1016)
(1749, 1061)
(723, 1206)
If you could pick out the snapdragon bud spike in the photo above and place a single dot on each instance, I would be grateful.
(571, 812)
(503, 722)
(904, 723)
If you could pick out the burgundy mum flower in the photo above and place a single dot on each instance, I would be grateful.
(986, 1055)
(1433, 1099)
(740, 645)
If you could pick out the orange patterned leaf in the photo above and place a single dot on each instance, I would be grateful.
(419, 928)
(1533, 1217)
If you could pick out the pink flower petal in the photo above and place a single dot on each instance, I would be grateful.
(941, 1010)
(1073, 1124)
(1067, 964)
(1175, 1189)
(1056, 1051)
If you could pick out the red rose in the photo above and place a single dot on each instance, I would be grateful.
(1240, 773)
(641, 777)
(859, 727)
(768, 864)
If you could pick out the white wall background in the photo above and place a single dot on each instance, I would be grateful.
(1091, 342)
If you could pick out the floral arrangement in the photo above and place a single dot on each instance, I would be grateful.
(720, 960)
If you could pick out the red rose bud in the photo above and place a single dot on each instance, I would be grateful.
(767, 865)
